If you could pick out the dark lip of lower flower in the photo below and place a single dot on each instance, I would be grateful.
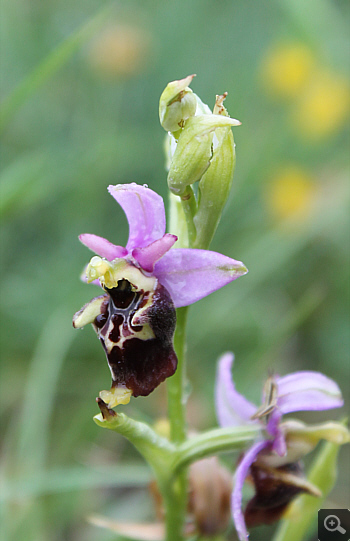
(275, 489)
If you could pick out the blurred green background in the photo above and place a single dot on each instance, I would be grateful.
(80, 85)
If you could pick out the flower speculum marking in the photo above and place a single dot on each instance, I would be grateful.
(135, 322)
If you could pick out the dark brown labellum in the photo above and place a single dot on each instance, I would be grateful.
(136, 329)
(273, 492)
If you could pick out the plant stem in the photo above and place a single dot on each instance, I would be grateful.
(155, 449)
(215, 441)
(189, 206)
(177, 383)
(175, 491)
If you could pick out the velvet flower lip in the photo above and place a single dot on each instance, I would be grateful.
(143, 283)
(272, 462)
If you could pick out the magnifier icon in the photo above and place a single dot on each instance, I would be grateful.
(332, 524)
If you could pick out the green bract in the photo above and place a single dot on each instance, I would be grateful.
(194, 150)
(215, 185)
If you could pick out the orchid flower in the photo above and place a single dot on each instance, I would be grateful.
(143, 283)
(272, 461)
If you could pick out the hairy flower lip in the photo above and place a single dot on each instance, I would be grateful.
(292, 479)
(135, 323)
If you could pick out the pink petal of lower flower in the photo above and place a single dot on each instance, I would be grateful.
(240, 476)
(148, 256)
(102, 247)
(274, 420)
(189, 274)
(304, 390)
(279, 444)
(232, 408)
(144, 210)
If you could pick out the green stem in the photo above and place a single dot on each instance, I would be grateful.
(214, 441)
(175, 492)
(177, 383)
(158, 451)
(169, 460)
(189, 206)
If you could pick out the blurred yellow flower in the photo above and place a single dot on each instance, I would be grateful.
(120, 50)
(286, 68)
(162, 427)
(291, 193)
(323, 107)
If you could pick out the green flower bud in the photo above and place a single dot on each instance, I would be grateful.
(215, 185)
(177, 103)
(194, 150)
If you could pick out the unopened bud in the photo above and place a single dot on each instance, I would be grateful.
(215, 185)
(194, 150)
(177, 103)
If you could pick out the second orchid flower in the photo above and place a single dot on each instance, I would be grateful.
(273, 461)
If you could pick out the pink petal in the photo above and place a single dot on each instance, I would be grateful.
(303, 391)
(232, 408)
(148, 256)
(190, 275)
(144, 210)
(279, 443)
(102, 247)
(240, 476)
(273, 427)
